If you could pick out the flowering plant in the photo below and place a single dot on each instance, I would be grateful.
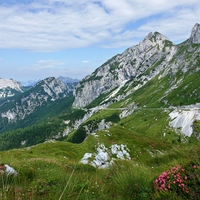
(183, 180)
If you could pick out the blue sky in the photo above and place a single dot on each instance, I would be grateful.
(42, 38)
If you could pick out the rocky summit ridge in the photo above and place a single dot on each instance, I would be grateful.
(40, 97)
(140, 63)
(132, 63)
(195, 34)
(8, 87)
(154, 75)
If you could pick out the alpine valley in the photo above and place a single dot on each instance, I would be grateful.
(110, 135)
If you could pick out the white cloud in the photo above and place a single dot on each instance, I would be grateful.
(50, 25)
(48, 64)
(54, 68)
(78, 72)
(85, 61)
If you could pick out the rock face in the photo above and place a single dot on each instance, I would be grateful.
(104, 157)
(9, 87)
(54, 88)
(195, 34)
(155, 55)
(47, 90)
(129, 65)
(4, 83)
(183, 118)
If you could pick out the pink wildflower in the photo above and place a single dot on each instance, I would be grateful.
(163, 186)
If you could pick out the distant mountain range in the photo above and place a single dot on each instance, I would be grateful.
(154, 77)
(30, 82)
(63, 79)
(137, 116)
(19, 103)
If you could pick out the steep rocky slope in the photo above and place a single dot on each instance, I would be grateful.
(37, 99)
(155, 74)
(9, 88)
(151, 89)
(137, 65)
(132, 64)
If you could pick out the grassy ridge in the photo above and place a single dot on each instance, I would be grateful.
(52, 171)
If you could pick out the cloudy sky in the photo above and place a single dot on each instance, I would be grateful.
(42, 38)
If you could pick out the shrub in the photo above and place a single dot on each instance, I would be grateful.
(183, 180)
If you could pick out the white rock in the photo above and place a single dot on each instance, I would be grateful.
(195, 34)
(85, 158)
(184, 119)
(103, 156)
(10, 170)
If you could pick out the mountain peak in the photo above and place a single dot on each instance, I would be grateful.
(4, 83)
(195, 34)
(156, 36)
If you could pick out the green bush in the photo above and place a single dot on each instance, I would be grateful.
(181, 180)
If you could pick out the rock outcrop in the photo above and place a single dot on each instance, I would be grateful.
(195, 34)
(47, 90)
(129, 65)
(155, 55)
(9, 87)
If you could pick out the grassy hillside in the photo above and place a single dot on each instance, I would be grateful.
(52, 170)
(161, 164)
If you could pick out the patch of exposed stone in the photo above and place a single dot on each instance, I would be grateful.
(104, 157)
(182, 118)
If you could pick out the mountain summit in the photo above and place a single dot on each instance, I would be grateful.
(195, 34)
(9, 87)
(155, 74)
(137, 65)
(134, 64)
(5, 83)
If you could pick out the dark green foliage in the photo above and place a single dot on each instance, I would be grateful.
(73, 115)
(113, 118)
(196, 126)
(32, 135)
(50, 109)
(78, 136)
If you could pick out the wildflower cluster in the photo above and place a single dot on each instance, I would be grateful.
(183, 180)
(173, 179)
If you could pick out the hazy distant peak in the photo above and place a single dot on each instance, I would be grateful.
(30, 82)
(68, 80)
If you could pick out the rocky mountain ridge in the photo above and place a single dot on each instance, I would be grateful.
(130, 65)
(9, 87)
(44, 93)
(154, 60)
(65, 80)
(155, 75)
(155, 55)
